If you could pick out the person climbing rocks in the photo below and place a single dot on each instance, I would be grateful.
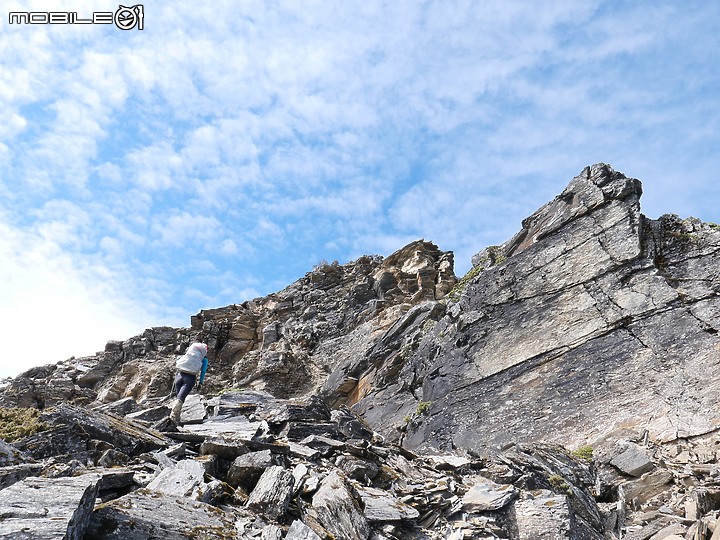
(191, 364)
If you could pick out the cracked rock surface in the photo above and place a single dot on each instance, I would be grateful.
(592, 323)
(414, 404)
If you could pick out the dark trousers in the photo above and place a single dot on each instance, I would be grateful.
(182, 385)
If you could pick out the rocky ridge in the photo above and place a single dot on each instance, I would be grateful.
(286, 343)
(593, 329)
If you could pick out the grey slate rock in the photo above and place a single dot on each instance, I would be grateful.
(380, 506)
(238, 402)
(225, 447)
(485, 495)
(236, 427)
(296, 431)
(300, 450)
(349, 425)
(48, 508)
(272, 492)
(146, 514)
(299, 531)
(247, 469)
(545, 516)
(633, 460)
(149, 415)
(121, 407)
(308, 410)
(338, 511)
(194, 467)
(357, 468)
(325, 445)
(193, 411)
(577, 323)
(72, 426)
(9, 455)
(176, 482)
(14, 473)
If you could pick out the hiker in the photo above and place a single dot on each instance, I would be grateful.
(189, 365)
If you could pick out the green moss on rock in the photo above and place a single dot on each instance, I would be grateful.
(19, 422)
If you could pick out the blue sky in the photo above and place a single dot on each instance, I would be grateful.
(221, 152)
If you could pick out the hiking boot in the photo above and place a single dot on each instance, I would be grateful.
(175, 412)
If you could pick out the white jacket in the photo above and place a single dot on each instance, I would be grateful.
(191, 361)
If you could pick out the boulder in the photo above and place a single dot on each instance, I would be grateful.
(48, 508)
(176, 481)
(247, 469)
(485, 495)
(225, 447)
(72, 426)
(14, 473)
(299, 531)
(633, 461)
(9, 455)
(338, 511)
(272, 492)
(381, 506)
(544, 516)
(193, 410)
(149, 415)
(146, 514)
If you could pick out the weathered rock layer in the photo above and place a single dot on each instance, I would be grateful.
(592, 323)
(594, 329)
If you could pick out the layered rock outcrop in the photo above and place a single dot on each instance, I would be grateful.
(594, 329)
(592, 323)
(285, 343)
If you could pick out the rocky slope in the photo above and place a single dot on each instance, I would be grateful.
(591, 324)
(286, 343)
(593, 328)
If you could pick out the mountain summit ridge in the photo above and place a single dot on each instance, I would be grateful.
(562, 388)
(582, 327)
(588, 288)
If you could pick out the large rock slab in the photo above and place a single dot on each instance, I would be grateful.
(587, 327)
(176, 481)
(633, 460)
(299, 531)
(247, 469)
(194, 410)
(272, 493)
(73, 426)
(14, 473)
(147, 514)
(237, 403)
(338, 511)
(308, 410)
(485, 495)
(9, 455)
(233, 427)
(152, 414)
(48, 508)
(381, 506)
(545, 516)
(226, 447)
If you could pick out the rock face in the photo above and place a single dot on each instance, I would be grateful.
(387, 398)
(285, 343)
(48, 507)
(593, 322)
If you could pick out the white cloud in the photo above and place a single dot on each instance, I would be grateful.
(229, 247)
(189, 226)
(55, 306)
